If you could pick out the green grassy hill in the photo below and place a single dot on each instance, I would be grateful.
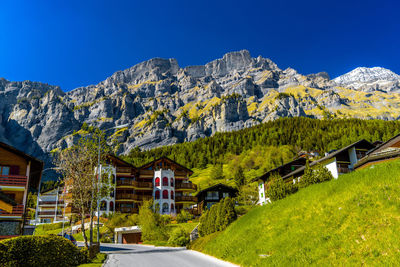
(353, 220)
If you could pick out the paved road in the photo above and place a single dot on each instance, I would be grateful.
(144, 256)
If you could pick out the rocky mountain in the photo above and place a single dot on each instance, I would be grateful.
(165, 104)
(370, 79)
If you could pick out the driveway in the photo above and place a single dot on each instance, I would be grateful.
(144, 256)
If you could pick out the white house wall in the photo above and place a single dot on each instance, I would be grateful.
(332, 167)
(261, 193)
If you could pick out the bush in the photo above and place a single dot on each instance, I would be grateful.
(179, 237)
(40, 251)
(218, 217)
(184, 216)
(278, 189)
(315, 175)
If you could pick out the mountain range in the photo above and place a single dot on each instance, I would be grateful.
(165, 104)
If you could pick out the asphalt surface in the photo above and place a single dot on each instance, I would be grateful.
(145, 256)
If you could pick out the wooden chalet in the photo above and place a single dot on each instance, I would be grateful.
(282, 171)
(18, 173)
(387, 151)
(212, 195)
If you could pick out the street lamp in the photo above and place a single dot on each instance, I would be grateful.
(98, 180)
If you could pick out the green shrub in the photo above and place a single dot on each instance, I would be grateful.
(277, 188)
(317, 174)
(184, 216)
(179, 237)
(40, 251)
(218, 217)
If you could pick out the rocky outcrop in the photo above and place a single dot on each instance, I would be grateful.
(165, 104)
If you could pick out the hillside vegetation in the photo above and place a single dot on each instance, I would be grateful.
(354, 220)
(266, 146)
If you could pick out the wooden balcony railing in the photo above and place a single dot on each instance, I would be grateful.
(186, 186)
(16, 211)
(124, 170)
(50, 213)
(136, 184)
(127, 210)
(13, 180)
(185, 199)
(124, 196)
(60, 202)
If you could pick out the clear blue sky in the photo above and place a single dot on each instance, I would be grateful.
(77, 43)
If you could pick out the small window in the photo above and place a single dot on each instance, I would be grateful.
(165, 208)
(157, 194)
(165, 181)
(165, 194)
(262, 195)
(225, 194)
(172, 194)
(158, 181)
(172, 181)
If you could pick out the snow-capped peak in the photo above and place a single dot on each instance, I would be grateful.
(362, 75)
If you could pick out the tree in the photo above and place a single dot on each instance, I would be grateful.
(77, 165)
(151, 223)
(276, 188)
(239, 177)
(229, 211)
(217, 172)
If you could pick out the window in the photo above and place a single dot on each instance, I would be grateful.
(262, 195)
(172, 194)
(212, 195)
(172, 181)
(14, 170)
(165, 194)
(225, 194)
(172, 207)
(5, 170)
(165, 181)
(158, 181)
(157, 194)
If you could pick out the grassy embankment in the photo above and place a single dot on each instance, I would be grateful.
(353, 220)
(188, 227)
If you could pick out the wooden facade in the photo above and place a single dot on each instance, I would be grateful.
(212, 195)
(18, 173)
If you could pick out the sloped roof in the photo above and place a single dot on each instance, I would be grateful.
(327, 157)
(266, 175)
(216, 186)
(386, 144)
(121, 161)
(166, 159)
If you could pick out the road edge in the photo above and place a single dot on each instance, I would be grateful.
(212, 257)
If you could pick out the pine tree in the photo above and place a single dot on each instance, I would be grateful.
(239, 177)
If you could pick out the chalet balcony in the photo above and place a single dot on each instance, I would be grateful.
(13, 180)
(135, 184)
(17, 211)
(49, 213)
(124, 170)
(127, 210)
(124, 196)
(186, 199)
(188, 186)
(51, 203)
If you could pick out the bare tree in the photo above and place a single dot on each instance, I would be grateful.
(77, 165)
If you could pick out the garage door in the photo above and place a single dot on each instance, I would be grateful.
(131, 238)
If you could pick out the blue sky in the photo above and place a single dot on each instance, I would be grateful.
(77, 43)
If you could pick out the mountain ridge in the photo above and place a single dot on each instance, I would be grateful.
(165, 104)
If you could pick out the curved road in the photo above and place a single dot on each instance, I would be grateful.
(144, 256)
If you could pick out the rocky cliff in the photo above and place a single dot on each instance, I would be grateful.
(165, 104)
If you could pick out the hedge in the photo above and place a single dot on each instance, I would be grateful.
(40, 251)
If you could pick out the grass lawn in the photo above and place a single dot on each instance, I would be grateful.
(354, 220)
(189, 226)
(96, 262)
